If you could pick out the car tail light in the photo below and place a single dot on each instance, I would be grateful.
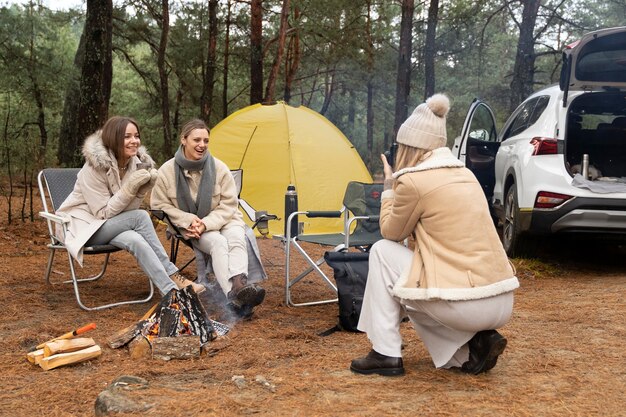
(546, 200)
(544, 146)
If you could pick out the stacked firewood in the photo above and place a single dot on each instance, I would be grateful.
(65, 350)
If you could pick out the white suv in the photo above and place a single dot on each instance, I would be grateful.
(532, 172)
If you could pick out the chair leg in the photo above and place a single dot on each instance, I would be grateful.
(174, 249)
(49, 265)
(75, 282)
(93, 277)
(314, 266)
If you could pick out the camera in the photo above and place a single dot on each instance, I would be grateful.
(391, 154)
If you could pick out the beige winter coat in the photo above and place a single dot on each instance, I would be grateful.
(224, 201)
(97, 194)
(457, 254)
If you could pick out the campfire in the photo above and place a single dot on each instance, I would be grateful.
(178, 327)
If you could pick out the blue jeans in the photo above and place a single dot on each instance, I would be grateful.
(133, 231)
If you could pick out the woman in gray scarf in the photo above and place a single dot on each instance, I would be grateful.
(199, 194)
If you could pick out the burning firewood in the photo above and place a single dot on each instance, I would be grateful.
(179, 314)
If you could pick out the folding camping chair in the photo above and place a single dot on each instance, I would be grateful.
(55, 184)
(260, 219)
(360, 212)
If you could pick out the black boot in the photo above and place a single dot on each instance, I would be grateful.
(484, 347)
(375, 363)
(243, 293)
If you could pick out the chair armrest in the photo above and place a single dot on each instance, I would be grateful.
(162, 216)
(371, 219)
(159, 214)
(327, 214)
(53, 217)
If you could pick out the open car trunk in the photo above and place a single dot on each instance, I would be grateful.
(596, 126)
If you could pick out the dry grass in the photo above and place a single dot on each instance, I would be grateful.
(565, 352)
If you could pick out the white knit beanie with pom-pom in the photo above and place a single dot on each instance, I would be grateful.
(426, 127)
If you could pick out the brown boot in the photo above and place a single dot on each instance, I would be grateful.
(182, 281)
(243, 293)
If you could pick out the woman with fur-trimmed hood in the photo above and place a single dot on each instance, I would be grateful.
(454, 280)
(103, 208)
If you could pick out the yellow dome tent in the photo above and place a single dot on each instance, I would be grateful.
(277, 145)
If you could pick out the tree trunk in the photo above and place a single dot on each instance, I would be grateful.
(329, 88)
(282, 30)
(292, 62)
(370, 87)
(403, 81)
(226, 56)
(206, 99)
(5, 138)
(164, 88)
(256, 51)
(524, 70)
(87, 102)
(430, 49)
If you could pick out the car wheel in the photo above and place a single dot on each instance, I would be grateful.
(514, 243)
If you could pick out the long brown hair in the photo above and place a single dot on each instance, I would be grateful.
(113, 133)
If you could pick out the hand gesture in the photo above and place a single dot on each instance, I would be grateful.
(387, 170)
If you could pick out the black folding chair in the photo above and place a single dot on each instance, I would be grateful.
(55, 184)
(360, 212)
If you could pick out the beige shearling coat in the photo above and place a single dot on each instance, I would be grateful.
(97, 194)
(457, 254)
(224, 201)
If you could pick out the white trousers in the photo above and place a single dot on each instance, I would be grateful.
(228, 251)
(445, 327)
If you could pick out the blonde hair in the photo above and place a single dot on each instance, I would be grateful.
(409, 156)
(192, 125)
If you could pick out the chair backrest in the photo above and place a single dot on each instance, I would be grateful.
(57, 183)
(363, 199)
(238, 176)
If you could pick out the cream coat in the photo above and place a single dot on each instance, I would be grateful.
(224, 201)
(457, 254)
(97, 194)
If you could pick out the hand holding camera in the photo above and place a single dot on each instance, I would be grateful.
(388, 159)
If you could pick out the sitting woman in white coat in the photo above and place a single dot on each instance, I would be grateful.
(454, 280)
(199, 195)
(103, 208)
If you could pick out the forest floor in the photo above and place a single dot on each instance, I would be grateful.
(565, 354)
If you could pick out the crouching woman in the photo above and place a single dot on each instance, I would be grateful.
(454, 281)
(104, 209)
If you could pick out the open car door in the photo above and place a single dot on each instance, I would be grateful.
(478, 144)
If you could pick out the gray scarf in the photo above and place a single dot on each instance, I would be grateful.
(202, 206)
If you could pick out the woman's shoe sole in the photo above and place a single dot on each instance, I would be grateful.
(379, 371)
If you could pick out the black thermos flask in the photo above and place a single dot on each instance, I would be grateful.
(291, 205)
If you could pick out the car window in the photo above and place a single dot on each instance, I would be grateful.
(482, 126)
(525, 116)
(602, 60)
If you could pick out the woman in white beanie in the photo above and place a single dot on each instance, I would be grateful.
(454, 280)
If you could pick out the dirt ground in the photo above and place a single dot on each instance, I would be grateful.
(565, 354)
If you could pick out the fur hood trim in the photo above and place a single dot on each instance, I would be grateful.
(101, 158)
(439, 158)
